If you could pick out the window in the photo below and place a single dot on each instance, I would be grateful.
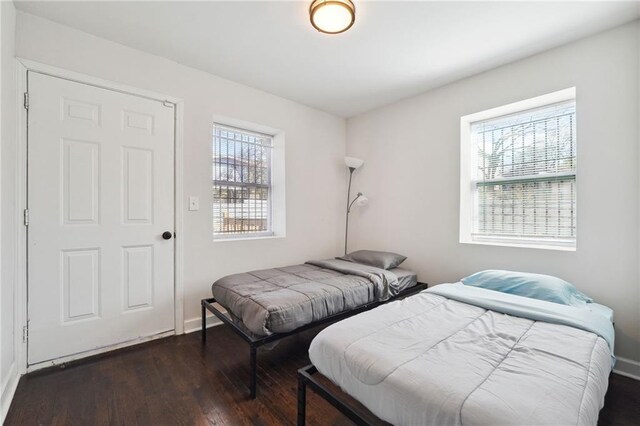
(242, 195)
(519, 186)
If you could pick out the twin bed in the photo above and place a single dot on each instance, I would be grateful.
(496, 348)
(267, 305)
(458, 354)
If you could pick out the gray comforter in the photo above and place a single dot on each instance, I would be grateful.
(279, 300)
(431, 359)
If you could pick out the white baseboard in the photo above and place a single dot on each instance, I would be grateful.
(194, 324)
(8, 390)
(627, 367)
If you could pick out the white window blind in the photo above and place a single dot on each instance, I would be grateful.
(241, 183)
(524, 176)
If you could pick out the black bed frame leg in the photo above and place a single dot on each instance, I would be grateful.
(204, 323)
(253, 366)
(302, 400)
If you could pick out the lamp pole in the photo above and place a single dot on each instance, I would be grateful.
(349, 204)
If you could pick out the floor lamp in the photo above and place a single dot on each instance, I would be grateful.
(353, 164)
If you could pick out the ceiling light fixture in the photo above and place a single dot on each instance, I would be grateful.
(332, 16)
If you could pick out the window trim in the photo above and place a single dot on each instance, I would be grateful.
(276, 208)
(467, 184)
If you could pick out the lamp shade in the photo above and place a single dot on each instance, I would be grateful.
(353, 163)
(362, 201)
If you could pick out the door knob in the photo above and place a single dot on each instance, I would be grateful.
(167, 235)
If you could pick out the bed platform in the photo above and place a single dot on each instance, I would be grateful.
(307, 378)
(254, 342)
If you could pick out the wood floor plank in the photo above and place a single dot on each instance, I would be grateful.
(178, 381)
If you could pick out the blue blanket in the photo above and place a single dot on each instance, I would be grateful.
(537, 310)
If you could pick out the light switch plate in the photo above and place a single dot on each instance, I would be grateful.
(194, 204)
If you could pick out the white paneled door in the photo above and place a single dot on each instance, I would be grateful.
(100, 198)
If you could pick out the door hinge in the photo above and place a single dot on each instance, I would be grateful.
(25, 334)
(26, 217)
(26, 100)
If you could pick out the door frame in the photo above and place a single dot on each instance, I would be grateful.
(23, 66)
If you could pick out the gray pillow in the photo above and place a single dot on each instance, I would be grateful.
(378, 259)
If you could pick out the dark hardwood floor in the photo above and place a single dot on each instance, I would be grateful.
(177, 381)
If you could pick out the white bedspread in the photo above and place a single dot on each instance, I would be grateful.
(430, 360)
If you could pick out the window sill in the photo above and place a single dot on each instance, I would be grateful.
(520, 244)
(263, 237)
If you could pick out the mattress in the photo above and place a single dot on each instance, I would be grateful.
(433, 360)
(606, 311)
(279, 300)
(406, 278)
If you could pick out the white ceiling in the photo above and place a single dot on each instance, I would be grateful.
(394, 50)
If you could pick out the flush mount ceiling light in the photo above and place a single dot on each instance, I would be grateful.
(332, 16)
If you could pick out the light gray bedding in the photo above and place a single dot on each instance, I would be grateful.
(406, 278)
(280, 300)
(432, 360)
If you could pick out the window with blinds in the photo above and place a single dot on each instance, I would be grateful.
(523, 176)
(241, 183)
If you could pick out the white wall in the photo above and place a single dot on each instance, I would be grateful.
(8, 232)
(411, 174)
(315, 145)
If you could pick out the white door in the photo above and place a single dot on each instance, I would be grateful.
(100, 196)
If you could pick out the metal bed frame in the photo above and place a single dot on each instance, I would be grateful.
(305, 378)
(255, 342)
